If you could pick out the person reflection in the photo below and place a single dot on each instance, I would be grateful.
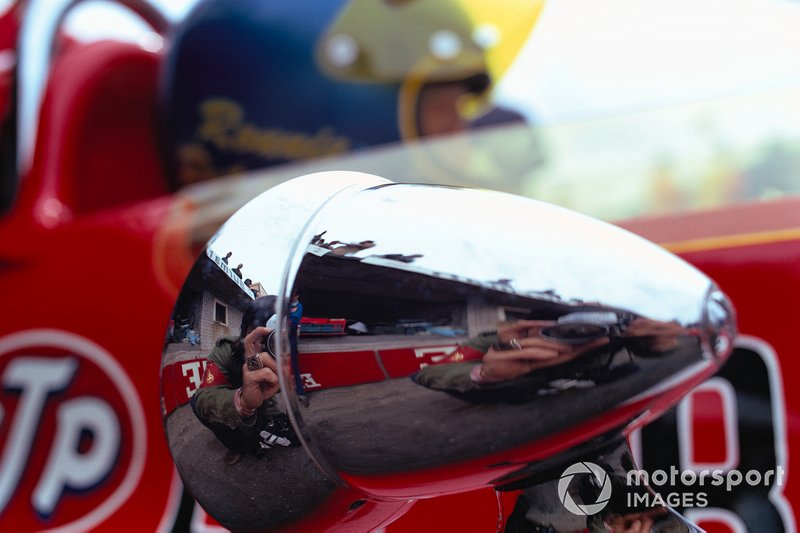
(236, 402)
(520, 349)
(499, 358)
(344, 248)
(295, 316)
(526, 353)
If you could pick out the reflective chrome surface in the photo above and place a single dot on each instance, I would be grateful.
(452, 339)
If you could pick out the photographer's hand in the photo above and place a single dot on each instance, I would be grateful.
(262, 383)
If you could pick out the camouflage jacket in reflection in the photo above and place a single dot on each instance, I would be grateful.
(453, 373)
(213, 401)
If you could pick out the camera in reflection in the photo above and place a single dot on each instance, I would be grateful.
(269, 345)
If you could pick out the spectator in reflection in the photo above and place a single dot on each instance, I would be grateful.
(249, 284)
(227, 256)
(317, 239)
(236, 402)
(295, 316)
(350, 248)
(238, 270)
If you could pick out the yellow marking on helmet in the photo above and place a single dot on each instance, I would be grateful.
(373, 41)
(510, 20)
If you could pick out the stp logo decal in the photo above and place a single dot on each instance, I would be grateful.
(72, 431)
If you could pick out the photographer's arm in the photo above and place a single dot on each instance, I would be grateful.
(215, 405)
(214, 402)
(532, 354)
(219, 400)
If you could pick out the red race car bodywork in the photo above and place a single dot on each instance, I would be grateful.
(95, 248)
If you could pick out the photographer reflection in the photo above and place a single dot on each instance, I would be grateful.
(545, 356)
(521, 349)
(236, 399)
(500, 359)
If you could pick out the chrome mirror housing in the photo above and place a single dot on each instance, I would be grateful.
(450, 339)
